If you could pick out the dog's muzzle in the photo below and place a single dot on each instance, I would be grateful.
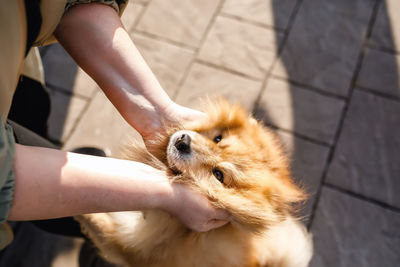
(182, 143)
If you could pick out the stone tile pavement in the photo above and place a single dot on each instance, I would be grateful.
(324, 74)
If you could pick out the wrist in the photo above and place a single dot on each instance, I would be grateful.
(157, 187)
(156, 119)
(172, 199)
(164, 197)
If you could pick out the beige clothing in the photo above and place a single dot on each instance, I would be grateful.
(13, 25)
(33, 67)
(13, 29)
(12, 47)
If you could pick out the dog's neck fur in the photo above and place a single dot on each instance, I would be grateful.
(159, 239)
(158, 233)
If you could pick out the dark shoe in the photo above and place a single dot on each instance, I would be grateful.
(90, 151)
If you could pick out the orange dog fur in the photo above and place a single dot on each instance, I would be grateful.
(256, 188)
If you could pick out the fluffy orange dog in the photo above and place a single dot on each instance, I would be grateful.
(240, 166)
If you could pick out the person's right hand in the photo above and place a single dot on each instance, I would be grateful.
(194, 209)
(172, 116)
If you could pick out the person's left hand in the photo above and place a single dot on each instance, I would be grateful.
(194, 209)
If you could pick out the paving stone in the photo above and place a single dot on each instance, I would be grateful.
(300, 110)
(366, 159)
(65, 112)
(204, 81)
(103, 127)
(61, 72)
(168, 62)
(84, 85)
(131, 15)
(324, 44)
(180, 21)
(351, 232)
(307, 162)
(59, 68)
(380, 72)
(269, 12)
(386, 31)
(240, 46)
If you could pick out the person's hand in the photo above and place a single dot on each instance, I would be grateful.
(176, 114)
(172, 116)
(193, 209)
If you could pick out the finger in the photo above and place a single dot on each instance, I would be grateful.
(218, 223)
(213, 224)
(221, 214)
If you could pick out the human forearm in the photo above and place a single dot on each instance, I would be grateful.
(51, 183)
(95, 38)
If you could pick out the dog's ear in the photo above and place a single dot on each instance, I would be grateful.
(252, 217)
(259, 205)
(289, 192)
(254, 213)
(158, 145)
(248, 210)
(136, 151)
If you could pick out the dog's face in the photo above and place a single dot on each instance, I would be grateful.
(237, 162)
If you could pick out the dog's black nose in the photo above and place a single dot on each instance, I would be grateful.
(183, 143)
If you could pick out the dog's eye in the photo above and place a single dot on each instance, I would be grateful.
(217, 138)
(218, 174)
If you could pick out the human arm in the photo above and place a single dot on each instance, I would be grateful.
(51, 183)
(94, 36)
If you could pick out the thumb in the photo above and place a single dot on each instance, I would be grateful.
(213, 224)
(221, 214)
